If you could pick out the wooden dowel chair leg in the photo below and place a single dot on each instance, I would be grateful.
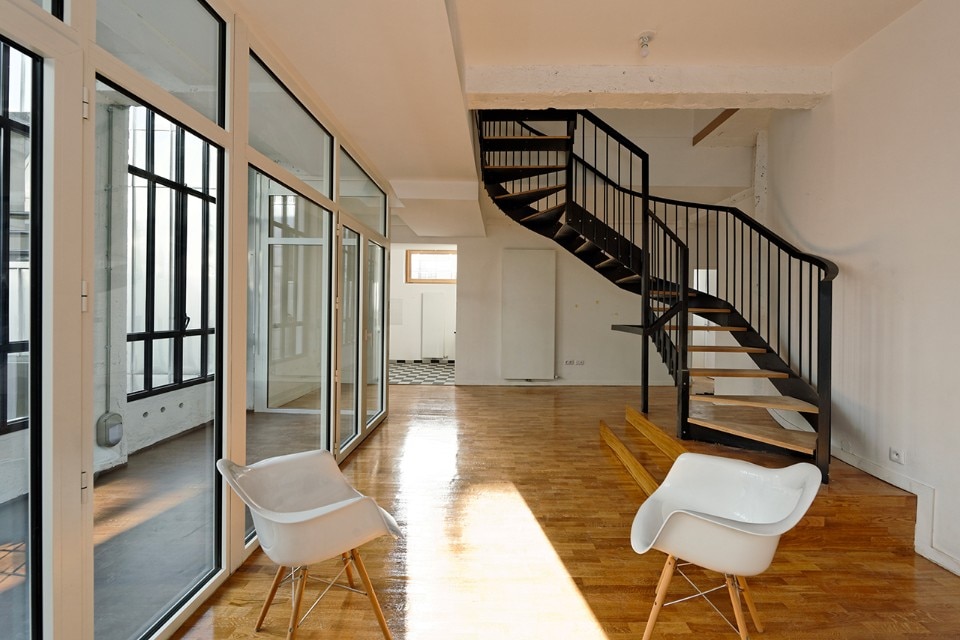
(737, 609)
(371, 593)
(277, 579)
(346, 562)
(665, 576)
(299, 583)
(751, 606)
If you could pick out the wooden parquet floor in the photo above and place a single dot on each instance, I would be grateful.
(517, 521)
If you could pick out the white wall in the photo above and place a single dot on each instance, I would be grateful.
(869, 179)
(587, 305)
(405, 306)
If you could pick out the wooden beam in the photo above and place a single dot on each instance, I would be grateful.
(633, 466)
(713, 124)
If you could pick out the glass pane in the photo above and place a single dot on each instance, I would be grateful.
(137, 255)
(349, 336)
(135, 367)
(360, 196)
(176, 43)
(212, 243)
(163, 259)
(282, 130)
(295, 372)
(18, 240)
(21, 87)
(162, 362)
(373, 337)
(195, 276)
(191, 357)
(164, 132)
(193, 173)
(288, 357)
(138, 136)
(155, 486)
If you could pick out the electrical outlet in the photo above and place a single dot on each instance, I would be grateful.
(896, 455)
(579, 363)
(568, 362)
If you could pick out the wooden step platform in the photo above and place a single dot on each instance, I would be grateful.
(639, 473)
(671, 447)
(738, 373)
(765, 402)
(733, 420)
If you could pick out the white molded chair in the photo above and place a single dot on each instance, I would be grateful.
(723, 515)
(304, 512)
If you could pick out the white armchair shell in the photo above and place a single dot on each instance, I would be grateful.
(305, 512)
(724, 515)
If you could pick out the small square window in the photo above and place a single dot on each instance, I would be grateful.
(431, 266)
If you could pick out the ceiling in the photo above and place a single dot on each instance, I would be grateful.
(401, 77)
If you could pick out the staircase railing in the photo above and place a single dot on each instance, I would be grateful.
(782, 292)
(724, 255)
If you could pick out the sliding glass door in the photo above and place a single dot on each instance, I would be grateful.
(156, 365)
(19, 423)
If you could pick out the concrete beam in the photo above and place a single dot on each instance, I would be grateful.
(645, 87)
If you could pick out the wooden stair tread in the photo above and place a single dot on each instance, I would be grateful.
(529, 192)
(765, 402)
(802, 441)
(671, 447)
(692, 309)
(700, 327)
(512, 167)
(531, 144)
(738, 373)
(546, 212)
(710, 348)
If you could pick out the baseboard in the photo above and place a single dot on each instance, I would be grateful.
(923, 542)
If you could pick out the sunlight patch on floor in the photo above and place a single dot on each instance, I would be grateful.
(478, 562)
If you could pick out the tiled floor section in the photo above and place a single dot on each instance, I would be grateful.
(430, 373)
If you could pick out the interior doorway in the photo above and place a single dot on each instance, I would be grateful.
(423, 314)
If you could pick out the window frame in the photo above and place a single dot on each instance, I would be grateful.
(408, 277)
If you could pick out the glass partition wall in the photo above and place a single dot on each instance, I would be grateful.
(148, 530)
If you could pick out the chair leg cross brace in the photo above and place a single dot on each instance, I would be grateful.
(298, 579)
(735, 586)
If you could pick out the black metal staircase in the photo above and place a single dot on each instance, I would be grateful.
(570, 176)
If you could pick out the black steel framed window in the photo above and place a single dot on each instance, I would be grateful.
(173, 222)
